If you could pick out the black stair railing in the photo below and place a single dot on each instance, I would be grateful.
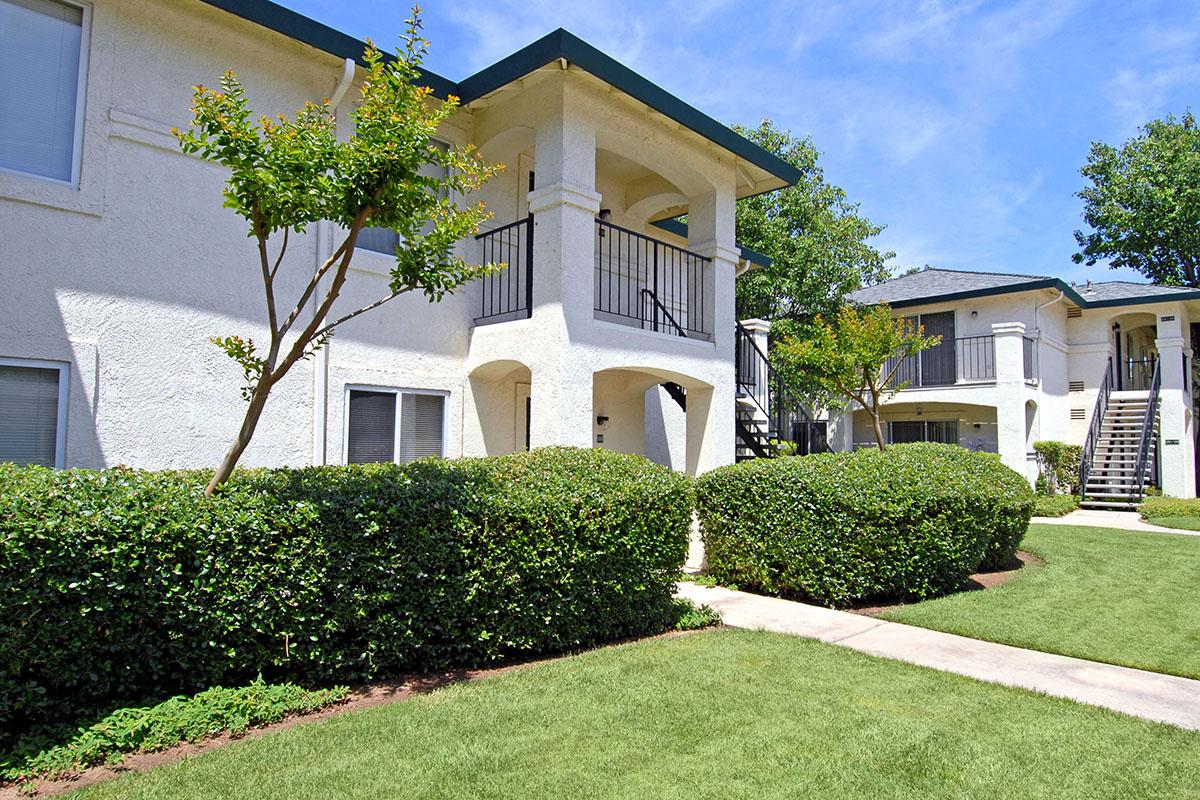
(1093, 436)
(1147, 449)
(508, 293)
(787, 419)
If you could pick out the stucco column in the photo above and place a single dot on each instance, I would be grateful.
(564, 204)
(1010, 391)
(1175, 424)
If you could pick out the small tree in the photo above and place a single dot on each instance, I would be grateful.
(1143, 204)
(286, 174)
(854, 357)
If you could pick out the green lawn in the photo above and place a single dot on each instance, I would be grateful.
(1107, 595)
(725, 714)
(1183, 523)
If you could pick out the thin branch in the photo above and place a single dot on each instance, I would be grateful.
(268, 285)
(282, 250)
(362, 310)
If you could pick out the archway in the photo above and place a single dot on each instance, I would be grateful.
(499, 400)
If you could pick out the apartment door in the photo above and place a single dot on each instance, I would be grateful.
(938, 367)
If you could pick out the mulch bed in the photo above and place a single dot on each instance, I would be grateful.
(978, 581)
(361, 697)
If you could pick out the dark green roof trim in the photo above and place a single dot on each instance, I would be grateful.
(680, 228)
(315, 34)
(564, 44)
(551, 47)
(1056, 284)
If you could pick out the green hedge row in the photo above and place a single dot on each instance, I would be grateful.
(910, 522)
(120, 587)
(1153, 507)
(1054, 505)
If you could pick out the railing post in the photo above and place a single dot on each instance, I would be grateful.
(529, 266)
(654, 289)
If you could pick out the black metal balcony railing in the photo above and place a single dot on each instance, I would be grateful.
(968, 359)
(507, 294)
(649, 283)
(776, 401)
(1139, 373)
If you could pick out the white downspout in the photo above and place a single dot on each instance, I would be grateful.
(320, 422)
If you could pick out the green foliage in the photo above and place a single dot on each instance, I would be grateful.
(1143, 204)
(1154, 507)
(851, 357)
(909, 522)
(1058, 467)
(178, 720)
(1054, 505)
(816, 239)
(692, 617)
(121, 587)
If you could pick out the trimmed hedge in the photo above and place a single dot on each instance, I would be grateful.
(122, 587)
(1054, 505)
(1155, 507)
(910, 522)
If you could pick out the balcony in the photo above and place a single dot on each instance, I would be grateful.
(963, 361)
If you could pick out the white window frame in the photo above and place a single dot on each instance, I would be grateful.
(399, 391)
(64, 383)
(85, 39)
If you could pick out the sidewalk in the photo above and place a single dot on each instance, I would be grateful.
(1122, 520)
(1149, 695)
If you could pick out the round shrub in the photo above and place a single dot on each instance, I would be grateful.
(910, 522)
(121, 587)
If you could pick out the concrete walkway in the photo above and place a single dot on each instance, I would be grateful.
(1123, 520)
(1150, 695)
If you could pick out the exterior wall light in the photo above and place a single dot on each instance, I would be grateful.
(602, 422)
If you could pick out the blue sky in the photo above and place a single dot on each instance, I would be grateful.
(960, 125)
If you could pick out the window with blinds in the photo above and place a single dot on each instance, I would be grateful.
(943, 431)
(376, 417)
(29, 415)
(41, 59)
(386, 240)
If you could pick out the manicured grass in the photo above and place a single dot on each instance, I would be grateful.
(1182, 523)
(723, 714)
(1107, 595)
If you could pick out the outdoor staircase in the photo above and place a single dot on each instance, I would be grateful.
(1112, 480)
(755, 438)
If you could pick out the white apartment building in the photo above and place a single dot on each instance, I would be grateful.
(118, 261)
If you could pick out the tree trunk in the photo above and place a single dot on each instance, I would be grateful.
(253, 411)
(874, 411)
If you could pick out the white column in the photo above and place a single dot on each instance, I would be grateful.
(564, 205)
(1010, 393)
(1177, 466)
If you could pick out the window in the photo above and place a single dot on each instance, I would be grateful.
(33, 412)
(385, 240)
(944, 431)
(42, 66)
(374, 416)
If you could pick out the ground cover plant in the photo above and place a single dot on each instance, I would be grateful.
(711, 715)
(1055, 505)
(1122, 597)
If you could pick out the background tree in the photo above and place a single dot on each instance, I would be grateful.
(854, 356)
(817, 240)
(286, 174)
(1143, 204)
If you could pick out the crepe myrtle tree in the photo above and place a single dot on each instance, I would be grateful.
(288, 173)
(854, 356)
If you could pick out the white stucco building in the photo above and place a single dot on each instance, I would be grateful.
(1028, 358)
(119, 262)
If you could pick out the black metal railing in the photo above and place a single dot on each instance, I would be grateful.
(1093, 437)
(775, 400)
(651, 284)
(507, 294)
(1029, 353)
(967, 359)
(1147, 446)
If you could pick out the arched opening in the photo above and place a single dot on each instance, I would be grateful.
(1135, 351)
(652, 412)
(498, 419)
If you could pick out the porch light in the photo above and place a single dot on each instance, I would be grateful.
(602, 422)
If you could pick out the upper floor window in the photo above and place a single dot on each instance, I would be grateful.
(32, 411)
(385, 240)
(42, 66)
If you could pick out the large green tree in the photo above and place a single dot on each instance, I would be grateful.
(1143, 203)
(285, 174)
(817, 240)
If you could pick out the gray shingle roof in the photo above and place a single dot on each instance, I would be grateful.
(937, 282)
(1125, 290)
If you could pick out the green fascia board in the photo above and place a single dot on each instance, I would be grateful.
(1057, 284)
(315, 34)
(564, 44)
(680, 228)
(550, 48)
